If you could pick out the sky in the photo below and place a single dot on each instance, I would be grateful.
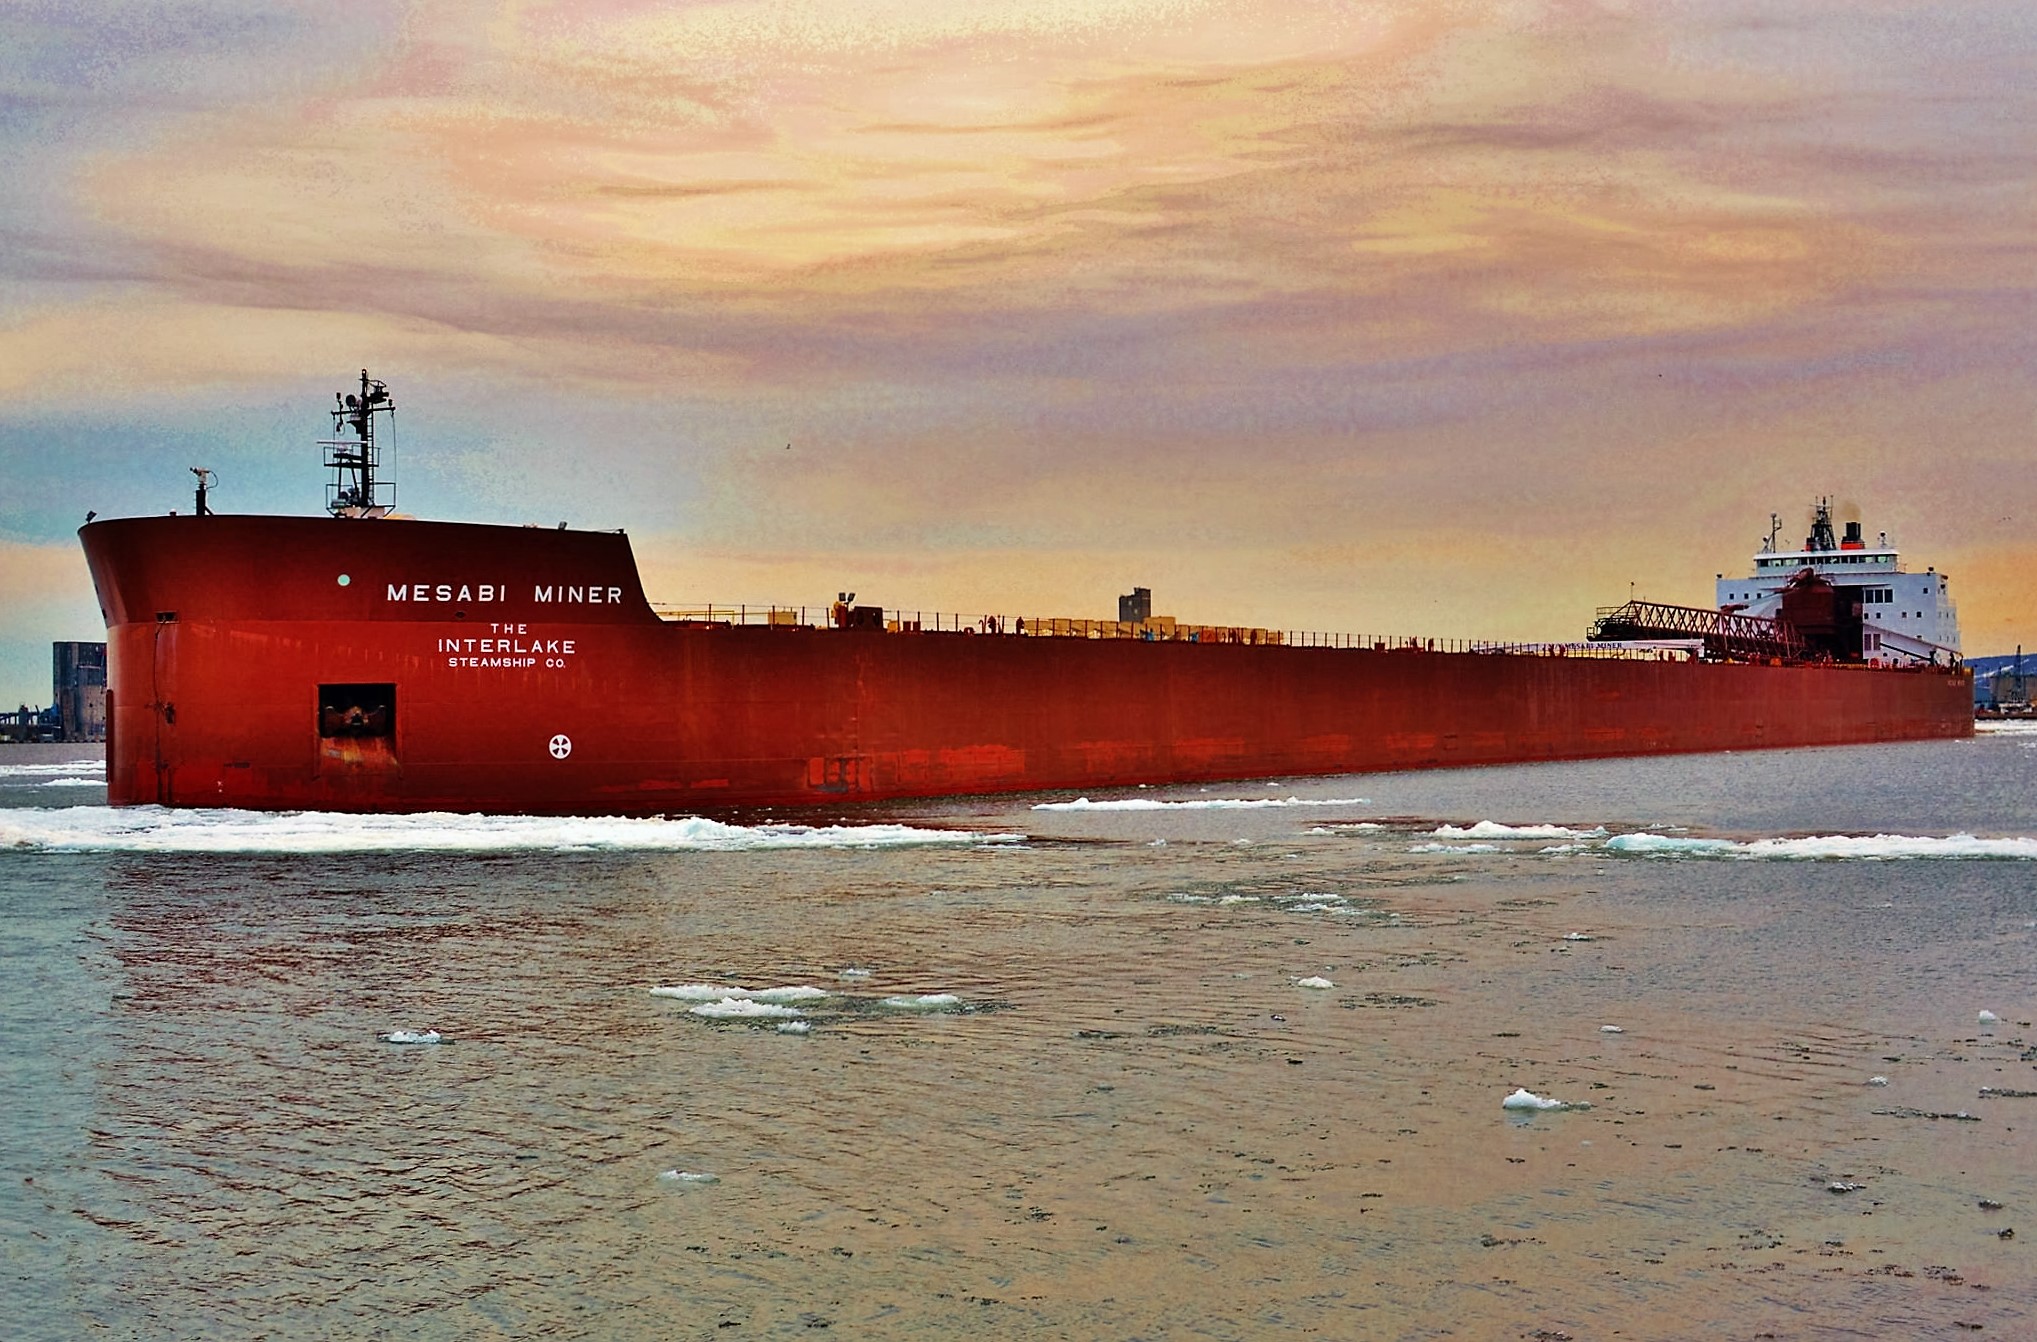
(1457, 318)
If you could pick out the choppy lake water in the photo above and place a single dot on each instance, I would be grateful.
(1220, 1062)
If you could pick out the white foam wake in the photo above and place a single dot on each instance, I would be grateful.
(1871, 848)
(55, 769)
(1199, 804)
(155, 829)
(1492, 829)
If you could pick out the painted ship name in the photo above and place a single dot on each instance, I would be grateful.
(424, 593)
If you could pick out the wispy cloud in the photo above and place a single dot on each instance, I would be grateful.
(1180, 278)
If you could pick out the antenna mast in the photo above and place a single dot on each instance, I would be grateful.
(354, 461)
(1821, 537)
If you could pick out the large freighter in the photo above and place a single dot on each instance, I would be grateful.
(366, 662)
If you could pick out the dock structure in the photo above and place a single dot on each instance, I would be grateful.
(29, 724)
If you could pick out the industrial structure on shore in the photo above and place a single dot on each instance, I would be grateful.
(77, 710)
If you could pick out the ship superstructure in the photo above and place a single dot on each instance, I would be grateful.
(1905, 617)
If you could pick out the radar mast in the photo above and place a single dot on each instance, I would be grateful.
(1821, 538)
(354, 461)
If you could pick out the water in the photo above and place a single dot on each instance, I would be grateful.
(1063, 1078)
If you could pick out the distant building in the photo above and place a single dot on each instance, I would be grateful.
(78, 680)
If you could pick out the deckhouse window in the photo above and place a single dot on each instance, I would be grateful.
(356, 710)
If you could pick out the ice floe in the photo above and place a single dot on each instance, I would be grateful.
(1610, 1029)
(1872, 848)
(711, 992)
(1491, 837)
(924, 1002)
(1527, 1100)
(1489, 829)
(716, 1002)
(160, 829)
(744, 1008)
(1307, 903)
(1200, 804)
(411, 1037)
(794, 1008)
(689, 1177)
(1877, 1081)
(1314, 981)
(1987, 1018)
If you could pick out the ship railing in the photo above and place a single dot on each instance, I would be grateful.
(1162, 630)
(784, 616)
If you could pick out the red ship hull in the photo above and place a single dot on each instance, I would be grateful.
(525, 672)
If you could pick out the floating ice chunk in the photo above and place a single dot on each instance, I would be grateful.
(1239, 899)
(795, 1027)
(1843, 1186)
(1488, 829)
(1314, 981)
(1578, 936)
(924, 1002)
(412, 1037)
(798, 992)
(742, 1008)
(695, 992)
(1988, 1018)
(1455, 848)
(1610, 1029)
(710, 992)
(1528, 1100)
(1668, 845)
(1822, 847)
(1877, 1081)
(689, 1177)
(857, 972)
